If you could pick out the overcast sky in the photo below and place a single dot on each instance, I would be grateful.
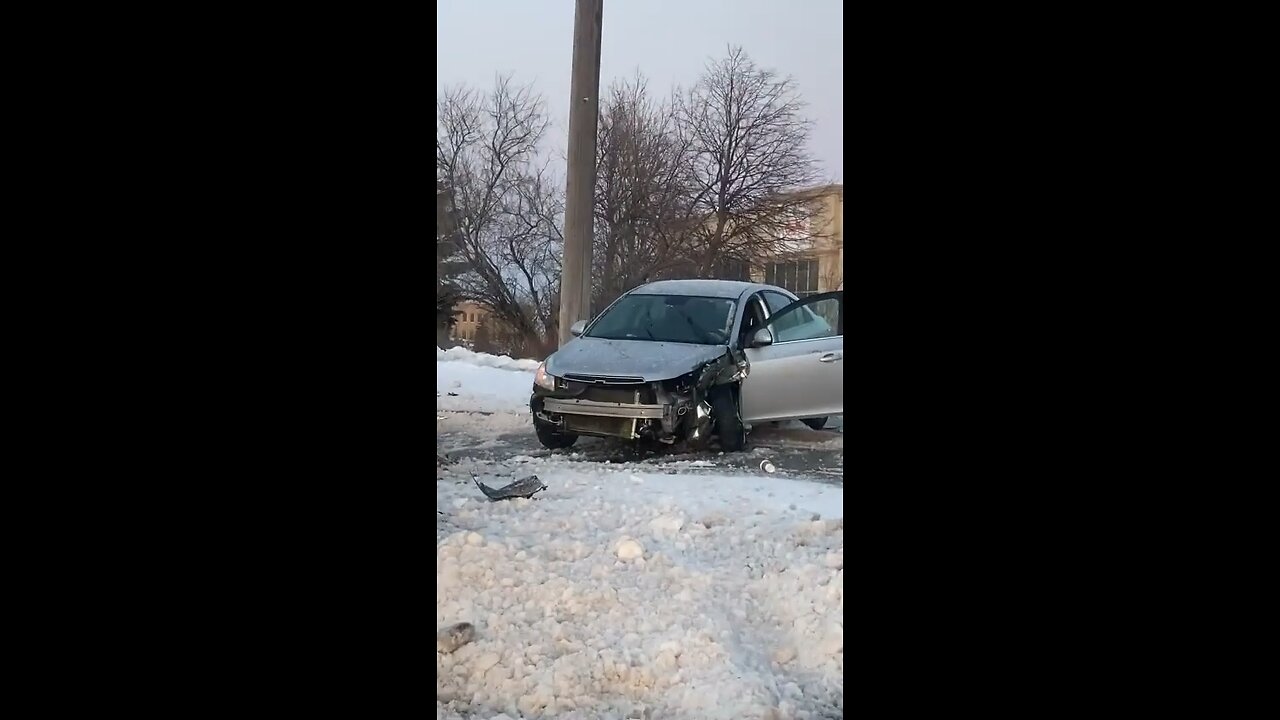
(669, 41)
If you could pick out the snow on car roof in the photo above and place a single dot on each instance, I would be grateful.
(700, 288)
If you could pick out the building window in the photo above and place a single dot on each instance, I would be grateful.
(731, 270)
(799, 277)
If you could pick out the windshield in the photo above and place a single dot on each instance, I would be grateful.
(667, 318)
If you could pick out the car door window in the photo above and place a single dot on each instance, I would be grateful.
(817, 317)
(787, 325)
(776, 301)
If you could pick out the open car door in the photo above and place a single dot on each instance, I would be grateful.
(797, 366)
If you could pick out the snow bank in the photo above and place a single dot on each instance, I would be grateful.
(618, 594)
(461, 354)
(482, 388)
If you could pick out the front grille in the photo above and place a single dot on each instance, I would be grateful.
(611, 393)
(616, 427)
(604, 379)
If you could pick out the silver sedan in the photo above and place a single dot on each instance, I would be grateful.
(688, 359)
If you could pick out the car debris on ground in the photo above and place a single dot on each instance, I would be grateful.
(523, 488)
(454, 636)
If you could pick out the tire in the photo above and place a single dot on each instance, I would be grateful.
(724, 408)
(815, 423)
(553, 439)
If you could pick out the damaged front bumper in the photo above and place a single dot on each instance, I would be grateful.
(666, 411)
(676, 416)
(576, 406)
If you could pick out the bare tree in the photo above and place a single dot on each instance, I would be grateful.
(529, 243)
(715, 175)
(446, 267)
(506, 210)
(641, 191)
(748, 140)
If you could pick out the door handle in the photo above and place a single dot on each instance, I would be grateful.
(831, 357)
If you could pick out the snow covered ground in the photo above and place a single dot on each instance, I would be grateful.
(482, 382)
(622, 593)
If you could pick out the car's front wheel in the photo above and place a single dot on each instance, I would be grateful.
(724, 408)
(552, 438)
(815, 423)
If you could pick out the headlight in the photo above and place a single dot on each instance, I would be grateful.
(543, 380)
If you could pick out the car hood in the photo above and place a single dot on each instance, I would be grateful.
(647, 359)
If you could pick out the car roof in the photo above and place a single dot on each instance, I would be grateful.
(703, 288)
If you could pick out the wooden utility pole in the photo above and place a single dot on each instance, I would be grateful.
(580, 183)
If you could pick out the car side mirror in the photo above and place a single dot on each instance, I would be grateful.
(762, 337)
(577, 328)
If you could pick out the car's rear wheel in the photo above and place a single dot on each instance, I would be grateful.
(724, 409)
(552, 438)
(815, 423)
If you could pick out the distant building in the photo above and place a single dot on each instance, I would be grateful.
(815, 263)
(470, 318)
(812, 261)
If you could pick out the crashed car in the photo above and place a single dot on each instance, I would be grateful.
(683, 360)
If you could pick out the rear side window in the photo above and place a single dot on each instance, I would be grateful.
(776, 301)
(807, 322)
(787, 325)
